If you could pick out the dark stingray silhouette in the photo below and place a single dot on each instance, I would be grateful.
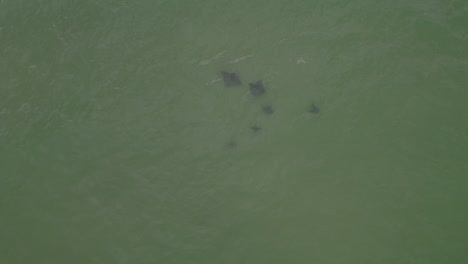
(231, 79)
(231, 144)
(268, 109)
(257, 88)
(255, 128)
(314, 109)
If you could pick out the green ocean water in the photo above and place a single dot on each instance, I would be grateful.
(120, 144)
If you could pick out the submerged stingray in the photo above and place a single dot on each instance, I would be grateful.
(255, 128)
(268, 109)
(231, 144)
(230, 79)
(314, 109)
(257, 88)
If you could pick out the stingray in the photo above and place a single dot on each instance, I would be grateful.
(231, 144)
(255, 128)
(230, 79)
(314, 109)
(257, 88)
(268, 109)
